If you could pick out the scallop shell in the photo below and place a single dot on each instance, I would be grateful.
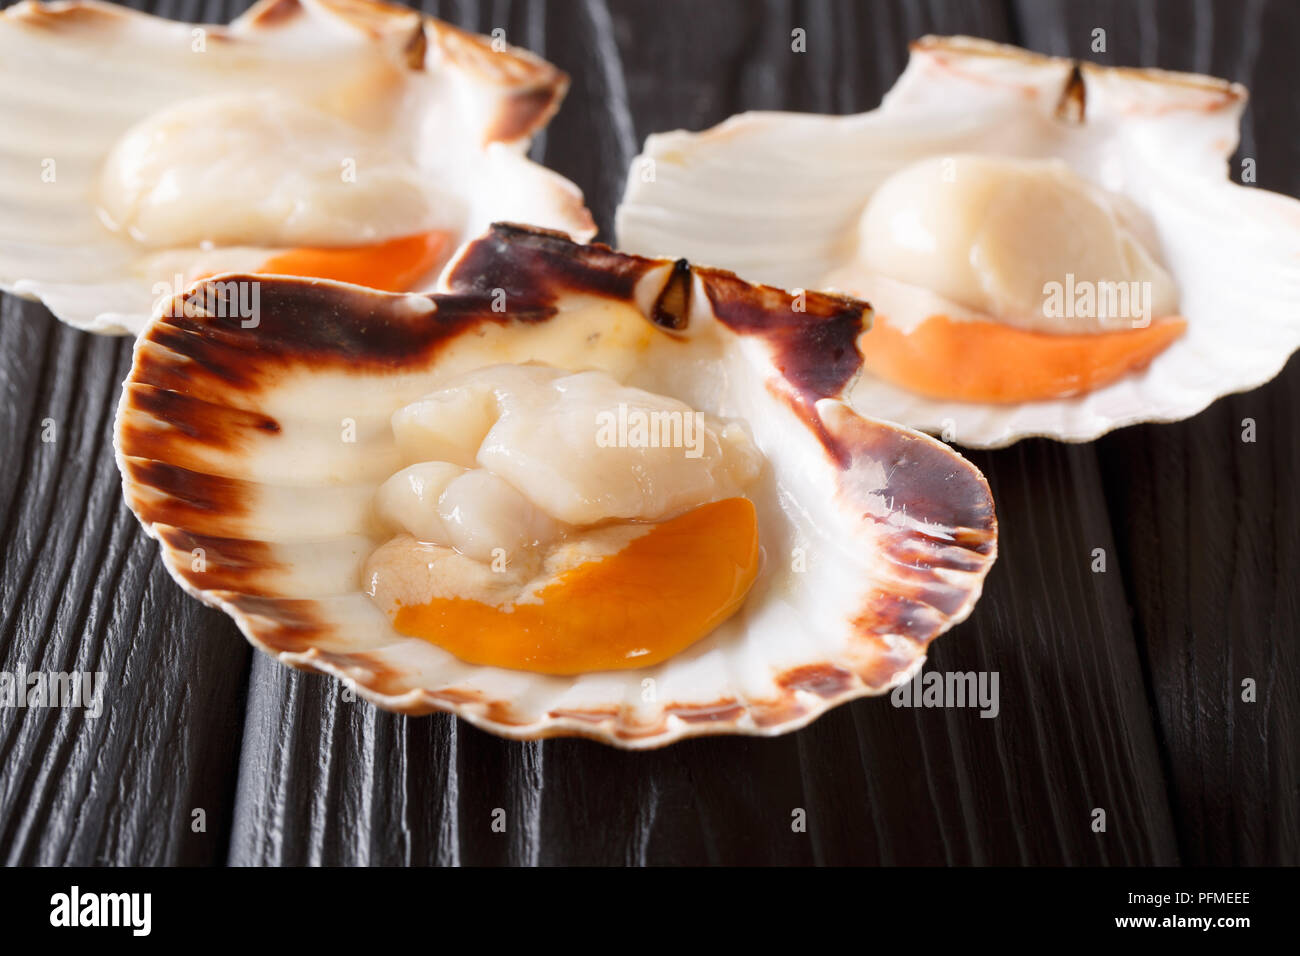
(876, 538)
(74, 76)
(777, 197)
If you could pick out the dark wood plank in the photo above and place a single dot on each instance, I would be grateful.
(928, 786)
(1206, 523)
(82, 589)
(329, 780)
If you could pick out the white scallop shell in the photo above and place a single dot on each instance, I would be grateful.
(75, 75)
(230, 440)
(777, 198)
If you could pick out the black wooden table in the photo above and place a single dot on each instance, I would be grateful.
(1120, 690)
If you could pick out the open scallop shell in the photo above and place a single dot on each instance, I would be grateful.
(777, 197)
(75, 76)
(229, 442)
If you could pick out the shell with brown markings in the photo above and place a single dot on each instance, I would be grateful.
(228, 440)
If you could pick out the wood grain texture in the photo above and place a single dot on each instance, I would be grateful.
(83, 590)
(1206, 523)
(1118, 690)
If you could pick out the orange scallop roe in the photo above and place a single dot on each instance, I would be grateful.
(987, 361)
(660, 594)
(393, 266)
